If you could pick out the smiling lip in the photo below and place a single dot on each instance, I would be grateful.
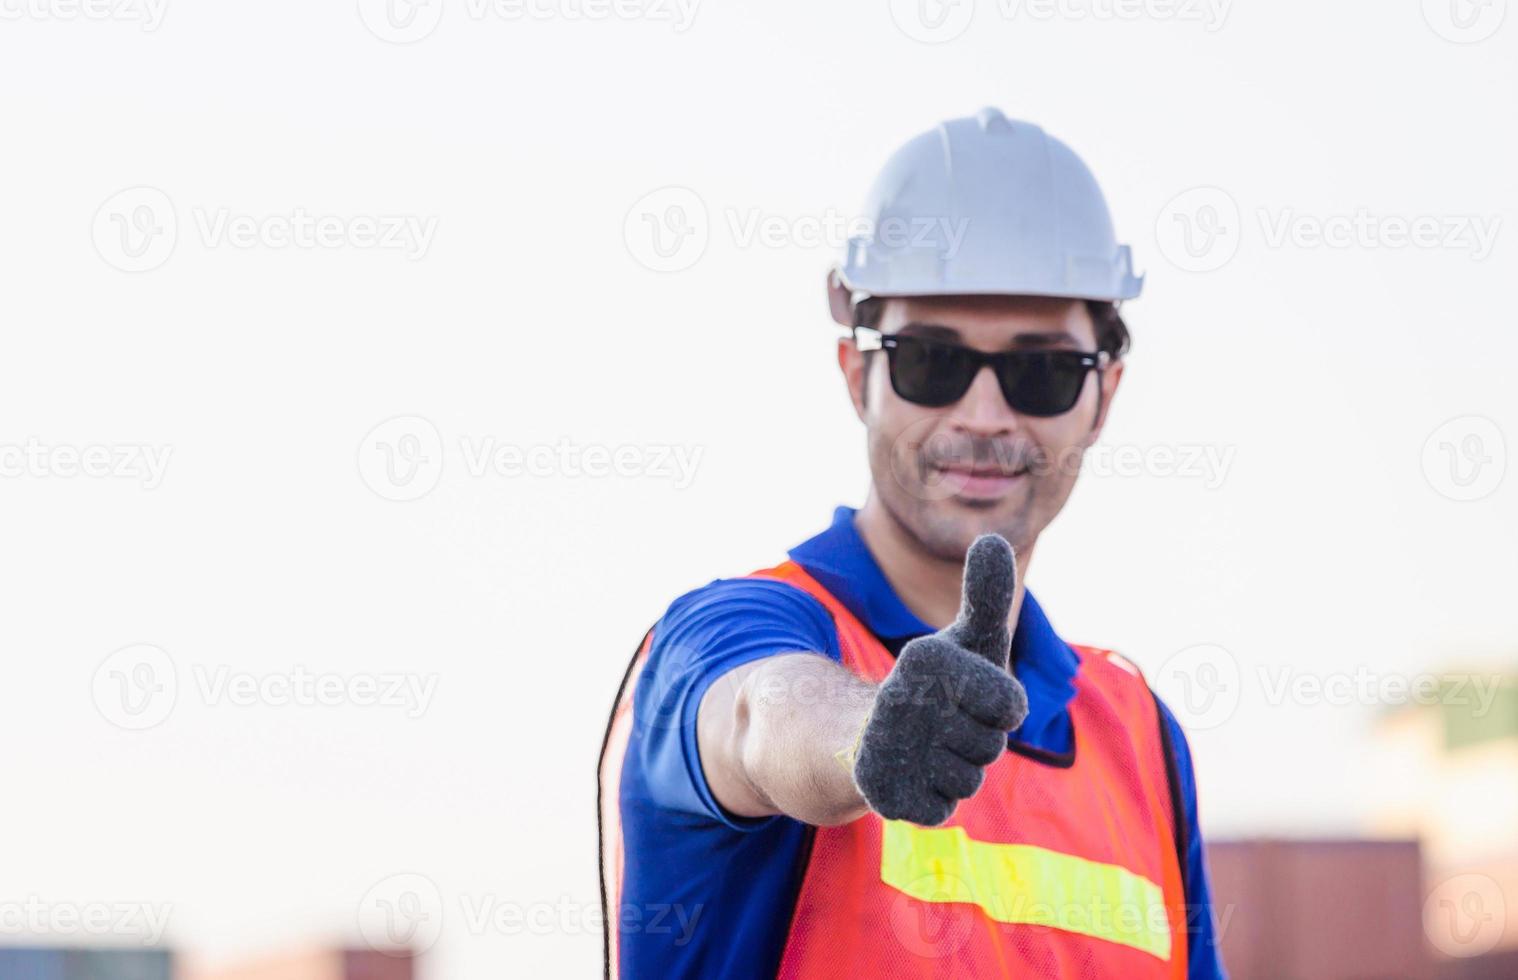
(980, 484)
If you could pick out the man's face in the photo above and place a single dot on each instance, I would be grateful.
(949, 474)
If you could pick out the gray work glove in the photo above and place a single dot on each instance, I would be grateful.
(943, 713)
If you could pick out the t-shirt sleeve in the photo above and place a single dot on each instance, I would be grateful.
(702, 636)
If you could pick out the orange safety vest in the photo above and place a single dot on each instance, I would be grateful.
(1057, 867)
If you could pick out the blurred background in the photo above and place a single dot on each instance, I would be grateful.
(374, 374)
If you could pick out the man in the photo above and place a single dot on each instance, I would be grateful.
(878, 759)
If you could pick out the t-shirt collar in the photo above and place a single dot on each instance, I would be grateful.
(839, 559)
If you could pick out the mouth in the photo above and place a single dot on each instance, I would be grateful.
(974, 482)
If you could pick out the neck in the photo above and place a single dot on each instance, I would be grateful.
(928, 585)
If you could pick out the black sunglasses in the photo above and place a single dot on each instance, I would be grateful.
(934, 373)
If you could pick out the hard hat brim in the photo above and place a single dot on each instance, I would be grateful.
(860, 288)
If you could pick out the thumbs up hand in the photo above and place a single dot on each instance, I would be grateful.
(943, 714)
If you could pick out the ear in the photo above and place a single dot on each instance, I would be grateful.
(1111, 377)
(852, 364)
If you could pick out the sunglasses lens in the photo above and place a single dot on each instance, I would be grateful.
(1044, 383)
(931, 374)
(1037, 383)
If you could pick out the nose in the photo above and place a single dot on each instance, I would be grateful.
(983, 410)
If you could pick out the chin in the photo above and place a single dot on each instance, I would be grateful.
(947, 527)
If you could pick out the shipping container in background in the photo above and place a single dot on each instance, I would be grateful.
(40, 963)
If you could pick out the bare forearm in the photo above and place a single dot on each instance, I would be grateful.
(771, 742)
(801, 735)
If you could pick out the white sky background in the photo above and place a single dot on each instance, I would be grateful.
(1327, 548)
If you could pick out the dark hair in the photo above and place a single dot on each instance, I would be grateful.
(1111, 332)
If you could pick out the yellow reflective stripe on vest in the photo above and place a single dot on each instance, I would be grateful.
(1026, 885)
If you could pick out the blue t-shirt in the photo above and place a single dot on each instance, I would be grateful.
(708, 894)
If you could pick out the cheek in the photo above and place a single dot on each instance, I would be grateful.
(881, 406)
(897, 428)
(877, 384)
(1062, 442)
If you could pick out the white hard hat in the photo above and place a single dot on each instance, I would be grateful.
(985, 205)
